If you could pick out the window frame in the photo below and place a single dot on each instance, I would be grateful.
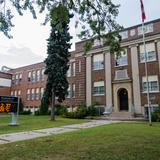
(116, 58)
(144, 88)
(99, 63)
(147, 53)
(99, 89)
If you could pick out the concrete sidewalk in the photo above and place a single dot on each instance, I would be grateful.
(13, 137)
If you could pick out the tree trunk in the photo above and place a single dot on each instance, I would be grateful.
(53, 107)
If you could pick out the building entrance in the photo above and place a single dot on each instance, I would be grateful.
(123, 99)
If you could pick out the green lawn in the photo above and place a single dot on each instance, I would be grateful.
(30, 122)
(110, 142)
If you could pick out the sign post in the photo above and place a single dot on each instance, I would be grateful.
(10, 104)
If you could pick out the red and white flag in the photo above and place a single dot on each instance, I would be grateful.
(142, 10)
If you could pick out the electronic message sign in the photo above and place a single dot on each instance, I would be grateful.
(8, 104)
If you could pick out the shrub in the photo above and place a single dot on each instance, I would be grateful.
(155, 116)
(80, 113)
(28, 112)
(95, 109)
(91, 111)
(37, 113)
(60, 109)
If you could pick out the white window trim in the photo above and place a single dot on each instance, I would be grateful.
(148, 60)
(99, 84)
(121, 65)
(149, 80)
(100, 59)
(150, 47)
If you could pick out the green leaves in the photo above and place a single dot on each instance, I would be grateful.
(5, 23)
(95, 18)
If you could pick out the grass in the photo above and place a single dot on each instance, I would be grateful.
(30, 122)
(110, 142)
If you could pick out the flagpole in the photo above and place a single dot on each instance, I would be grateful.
(146, 72)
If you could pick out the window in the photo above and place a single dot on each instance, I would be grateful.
(20, 76)
(152, 83)
(150, 52)
(124, 34)
(15, 93)
(122, 60)
(17, 76)
(32, 94)
(147, 29)
(12, 93)
(42, 92)
(28, 94)
(38, 75)
(98, 88)
(98, 62)
(121, 74)
(13, 77)
(19, 92)
(33, 76)
(69, 91)
(69, 71)
(79, 66)
(97, 42)
(132, 32)
(37, 94)
(29, 76)
(17, 79)
(73, 69)
(73, 90)
(42, 74)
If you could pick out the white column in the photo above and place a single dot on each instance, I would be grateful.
(136, 81)
(88, 81)
(108, 79)
(158, 49)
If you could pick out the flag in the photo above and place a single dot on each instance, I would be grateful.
(142, 10)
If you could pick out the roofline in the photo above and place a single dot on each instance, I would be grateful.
(5, 73)
(26, 66)
(128, 28)
(138, 25)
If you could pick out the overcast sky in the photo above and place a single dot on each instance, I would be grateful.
(29, 43)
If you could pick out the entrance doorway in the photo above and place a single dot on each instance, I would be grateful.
(123, 99)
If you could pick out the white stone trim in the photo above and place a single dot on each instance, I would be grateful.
(108, 79)
(136, 81)
(88, 81)
(158, 50)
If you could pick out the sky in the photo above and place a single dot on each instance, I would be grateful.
(29, 44)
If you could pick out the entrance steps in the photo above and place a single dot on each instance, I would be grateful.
(123, 115)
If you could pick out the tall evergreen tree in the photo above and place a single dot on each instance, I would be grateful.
(58, 56)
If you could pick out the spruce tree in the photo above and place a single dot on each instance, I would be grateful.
(58, 56)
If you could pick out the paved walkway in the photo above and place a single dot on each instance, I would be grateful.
(13, 137)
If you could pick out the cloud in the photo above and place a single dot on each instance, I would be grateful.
(19, 56)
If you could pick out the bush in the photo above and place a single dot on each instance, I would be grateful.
(37, 113)
(83, 111)
(28, 112)
(92, 111)
(95, 110)
(80, 113)
(155, 116)
(60, 109)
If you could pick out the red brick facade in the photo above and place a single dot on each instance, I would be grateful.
(4, 90)
(132, 40)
